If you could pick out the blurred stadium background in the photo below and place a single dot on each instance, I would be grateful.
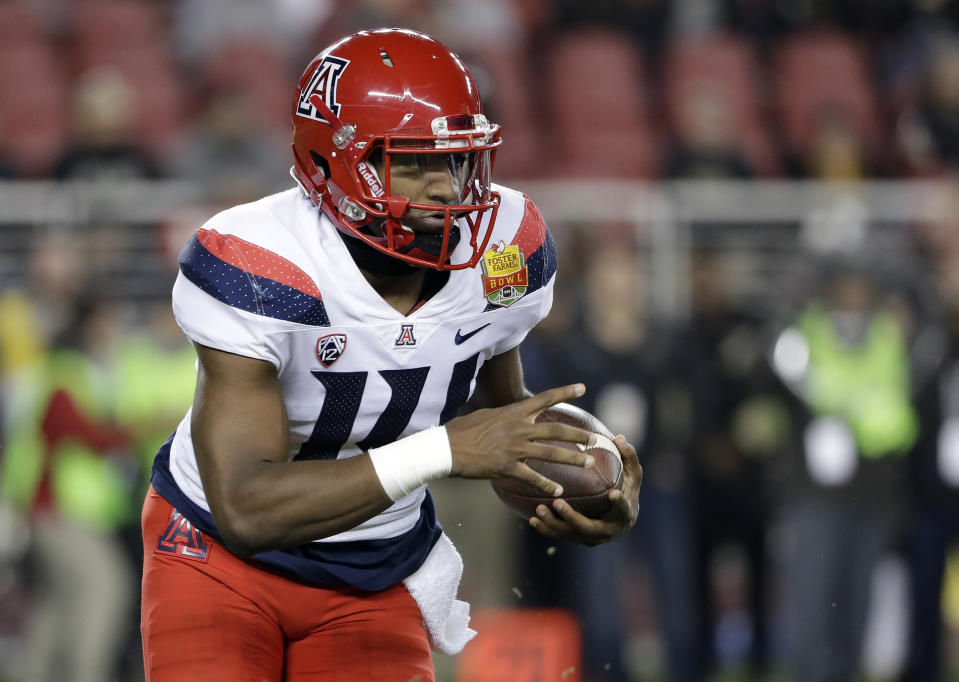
(756, 213)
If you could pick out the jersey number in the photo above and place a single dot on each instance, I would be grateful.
(344, 393)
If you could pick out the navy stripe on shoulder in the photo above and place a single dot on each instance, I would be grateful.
(369, 565)
(249, 291)
(542, 264)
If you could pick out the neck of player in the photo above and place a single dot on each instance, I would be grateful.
(402, 292)
(398, 283)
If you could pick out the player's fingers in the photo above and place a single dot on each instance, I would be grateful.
(632, 468)
(561, 432)
(539, 402)
(524, 473)
(553, 453)
(621, 511)
(630, 458)
(544, 529)
(560, 520)
(599, 530)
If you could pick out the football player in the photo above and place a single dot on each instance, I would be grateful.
(341, 326)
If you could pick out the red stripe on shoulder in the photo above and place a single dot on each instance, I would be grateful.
(257, 261)
(532, 230)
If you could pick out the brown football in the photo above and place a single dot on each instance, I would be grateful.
(586, 490)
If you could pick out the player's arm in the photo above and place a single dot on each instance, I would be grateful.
(259, 500)
(500, 381)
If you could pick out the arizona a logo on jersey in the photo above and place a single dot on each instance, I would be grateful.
(406, 337)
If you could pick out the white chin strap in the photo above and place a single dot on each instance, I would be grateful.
(296, 179)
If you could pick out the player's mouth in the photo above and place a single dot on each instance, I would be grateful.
(429, 223)
(434, 220)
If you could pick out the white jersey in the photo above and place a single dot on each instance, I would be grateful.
(273, 280)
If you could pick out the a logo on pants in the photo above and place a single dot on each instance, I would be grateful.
(183, 539)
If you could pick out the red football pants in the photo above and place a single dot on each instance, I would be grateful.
(208, 615)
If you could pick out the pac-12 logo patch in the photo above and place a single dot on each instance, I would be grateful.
(505, 275)
(322, 83)
(329, 348)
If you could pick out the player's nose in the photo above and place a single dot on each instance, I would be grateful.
(441, 189)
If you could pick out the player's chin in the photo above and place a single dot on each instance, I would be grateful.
(429, 236)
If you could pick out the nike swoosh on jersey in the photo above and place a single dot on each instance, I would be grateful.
(460, 337)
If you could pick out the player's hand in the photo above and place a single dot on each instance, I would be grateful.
(564, 523)
(495, 443)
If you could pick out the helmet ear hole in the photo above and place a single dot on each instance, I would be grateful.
(321, 163)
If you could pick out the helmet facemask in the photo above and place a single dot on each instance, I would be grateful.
(433, 195)
(449, 169)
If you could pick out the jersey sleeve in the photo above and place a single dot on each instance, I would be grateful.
(235, 295)
(539, 253)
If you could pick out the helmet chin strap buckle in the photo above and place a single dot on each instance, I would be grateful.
(398, 206)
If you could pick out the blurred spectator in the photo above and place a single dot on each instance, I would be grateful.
(739, 423)
(935, 489)
(758, 19)
(66, 465)
(835, 150)
(361, 15)
(645, 20)
(155, 378)
(929, 137)
(470, 26)
(30, 315)
(628, 369)
(229, 155)
(846, 360)
(202, 26)
(706, 147)
(20, 340)
(104, 147)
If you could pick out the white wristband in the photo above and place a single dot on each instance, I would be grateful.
(406, 464)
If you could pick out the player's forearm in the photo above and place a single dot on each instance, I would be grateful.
(282, 504)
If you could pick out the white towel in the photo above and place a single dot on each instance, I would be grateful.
(434, 587)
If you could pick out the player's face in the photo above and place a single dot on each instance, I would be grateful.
(427, 179)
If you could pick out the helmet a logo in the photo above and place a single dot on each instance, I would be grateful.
(323, 83)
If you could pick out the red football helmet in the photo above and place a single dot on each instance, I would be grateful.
(385, 99)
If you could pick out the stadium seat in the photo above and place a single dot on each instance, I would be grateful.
(150, 70)
(257, 68)
(23, 62)
(116, 22)
(18, 23)
(33, 127)
(726, 66)
(821, 71)
(32, 123)
(504, 81)
(596, 99)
